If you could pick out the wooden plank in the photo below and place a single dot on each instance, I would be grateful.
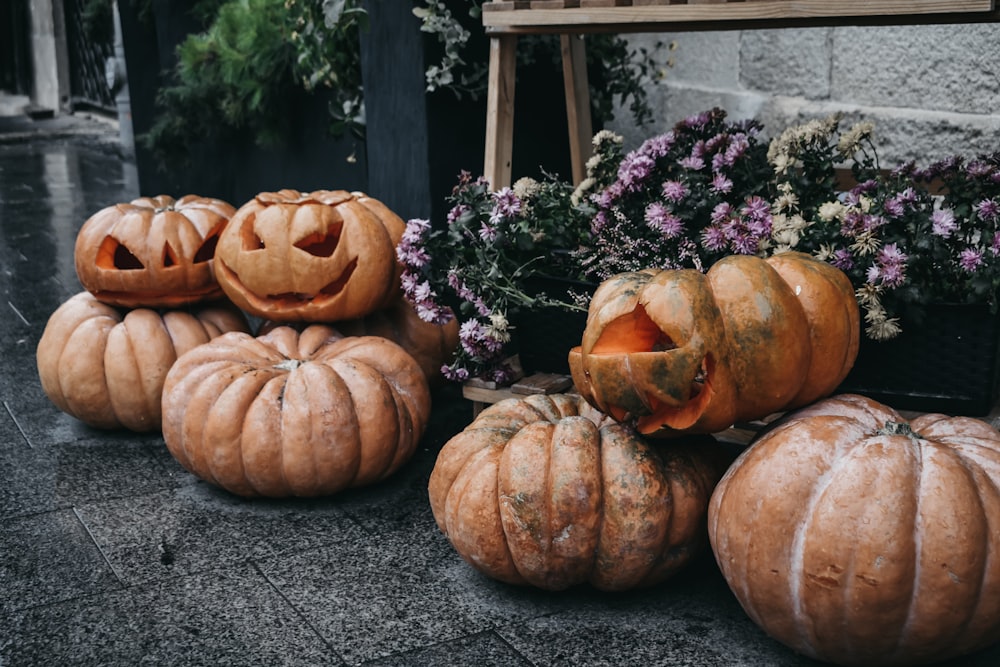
(658, 17)
(500, 110)
(542, 383)
(581, 132)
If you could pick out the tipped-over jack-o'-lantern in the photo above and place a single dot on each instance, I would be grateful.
(686, 352)
(152, 251)
(317, 257)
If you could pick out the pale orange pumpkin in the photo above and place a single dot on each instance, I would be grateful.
(857, 537)
(294, 414)
(321, 256)
(681, 351)
(106, 366)
(431, 345)
(152, 251)
(548, 492)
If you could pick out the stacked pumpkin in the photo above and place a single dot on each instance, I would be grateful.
(553, 492)
(303, 410)
(150, 296)
(314, 404)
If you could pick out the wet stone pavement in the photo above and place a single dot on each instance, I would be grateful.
(112, 554)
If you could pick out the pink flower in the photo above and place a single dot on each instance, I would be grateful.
(970, 259)
(943, 223)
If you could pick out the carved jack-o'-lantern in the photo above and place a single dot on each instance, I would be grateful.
(152, 251)
(686, 352)
(317, 257)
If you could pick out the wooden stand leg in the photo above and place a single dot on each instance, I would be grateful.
(574, 59)
(500, 110)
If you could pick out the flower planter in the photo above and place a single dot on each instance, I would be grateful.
(946, 362)
(544, 336)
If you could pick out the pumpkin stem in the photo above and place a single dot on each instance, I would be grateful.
(897, 428)
(289, 364)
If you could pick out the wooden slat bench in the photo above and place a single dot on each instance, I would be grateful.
(504, 20)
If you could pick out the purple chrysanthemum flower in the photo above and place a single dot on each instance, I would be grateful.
(658, 146)
(675, 191)
(943, 223)
(634, 170)
(722, 211)
(757, 208)
(721, 183)
(488, 232)
(714, 238)
(970, 259)
(507, 203)
(995, 245)
(661, 219)
(693, 163)
(842, 259)
(455, 373)
(456, 212)
(894, 207)
(988, 210)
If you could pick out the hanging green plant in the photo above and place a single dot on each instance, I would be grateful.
(243, 74)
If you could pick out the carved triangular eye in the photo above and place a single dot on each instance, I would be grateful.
(249, 237)
(207, 249)
(319, 245)
(113, 255)
(169, 256)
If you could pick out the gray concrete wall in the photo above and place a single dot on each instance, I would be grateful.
(931, 91)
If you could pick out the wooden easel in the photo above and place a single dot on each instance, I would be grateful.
(504, 20)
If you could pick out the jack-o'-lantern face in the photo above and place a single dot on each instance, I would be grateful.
(684, 352)
(318, 257)
(152, 251)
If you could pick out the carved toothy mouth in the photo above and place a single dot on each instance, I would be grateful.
(286, 300)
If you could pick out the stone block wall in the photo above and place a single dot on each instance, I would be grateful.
(931, 91)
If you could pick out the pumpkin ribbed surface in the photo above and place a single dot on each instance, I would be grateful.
(546, 491)
(152, 251)
(106, 367)
(856, 537)
(685, 352)
(294, 414)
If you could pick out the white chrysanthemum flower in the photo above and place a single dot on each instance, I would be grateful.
(525, 188)
(831, 210)
(850, 141)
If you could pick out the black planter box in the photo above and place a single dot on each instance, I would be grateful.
(946, 362)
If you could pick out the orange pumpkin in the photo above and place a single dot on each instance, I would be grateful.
(294, 414)
(106, 367)
(152, 251)
(315, 257)
(546, 491)
(856, 537)
(686, 352)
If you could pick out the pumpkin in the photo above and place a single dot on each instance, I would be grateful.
(856, 537)
(312, 257)
(106, 366)
(294, 413)
(545, 491)
(431, 345)
(681, 351)
(152, 251)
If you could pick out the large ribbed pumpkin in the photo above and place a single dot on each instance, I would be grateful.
(152, 251)
(546, 491)
(106, 366)
(685, 352)
(856, 537)
(431, 345)
(294, 414)
(320, 256)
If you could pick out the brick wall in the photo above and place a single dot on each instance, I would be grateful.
(930, 90)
